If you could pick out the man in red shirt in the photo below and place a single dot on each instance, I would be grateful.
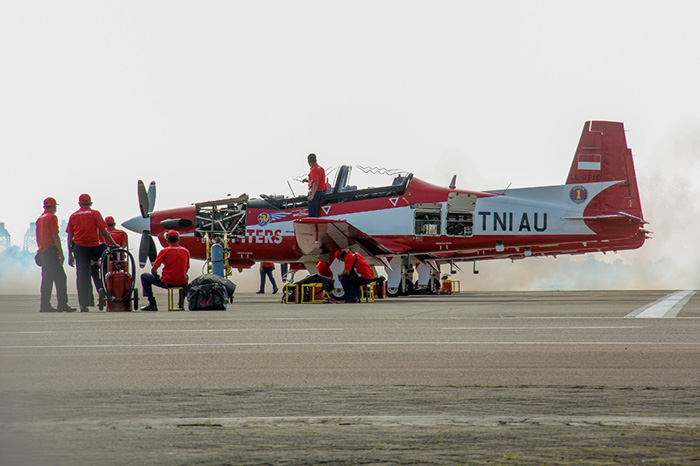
(50, 256)
(266, 269)
(119, 236)
(356, 273)
(176, 262)
(317, 185)
(84, 229)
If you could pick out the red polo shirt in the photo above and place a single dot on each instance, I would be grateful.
(361, 267)
(46, 227)
(317, 173)
(85, 226)
(176, 262)
(119, 237)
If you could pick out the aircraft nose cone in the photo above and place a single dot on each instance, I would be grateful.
(138, 224)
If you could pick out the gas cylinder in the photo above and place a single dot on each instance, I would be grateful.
(217, 259)
(118, 284)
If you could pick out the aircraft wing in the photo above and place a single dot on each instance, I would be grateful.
(316, 237)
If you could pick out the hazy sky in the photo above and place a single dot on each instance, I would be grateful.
(216, 97)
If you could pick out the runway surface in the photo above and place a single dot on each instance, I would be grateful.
(486, 362)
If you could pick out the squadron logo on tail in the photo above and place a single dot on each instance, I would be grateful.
(578, 194)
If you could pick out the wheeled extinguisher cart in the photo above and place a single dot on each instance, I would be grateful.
(118, 273)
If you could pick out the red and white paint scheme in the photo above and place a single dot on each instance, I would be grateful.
(413, 222)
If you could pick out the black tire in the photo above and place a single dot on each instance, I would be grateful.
(338, 294)
(393, 292)
(136, 299)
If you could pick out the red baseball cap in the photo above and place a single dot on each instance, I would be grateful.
(109, 220)
(50, 201)
(84, 199)
(173, 233)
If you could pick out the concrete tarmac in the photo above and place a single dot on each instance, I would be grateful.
(405, 380)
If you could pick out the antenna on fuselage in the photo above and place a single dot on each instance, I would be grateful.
(453, 183)
(504, 191)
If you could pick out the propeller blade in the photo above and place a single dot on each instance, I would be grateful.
(152, 253)
(143, 199)
(144, 248)
(151, 196)
(175, 223)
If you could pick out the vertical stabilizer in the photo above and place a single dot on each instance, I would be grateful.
(602, 156)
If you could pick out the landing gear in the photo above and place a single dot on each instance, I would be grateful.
(338, 294)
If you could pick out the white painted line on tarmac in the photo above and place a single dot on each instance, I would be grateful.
(28, 332)
(542, 328)
(185, 330)
(361, 343)
(667, 307)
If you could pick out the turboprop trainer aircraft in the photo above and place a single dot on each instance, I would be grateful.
(412, 222)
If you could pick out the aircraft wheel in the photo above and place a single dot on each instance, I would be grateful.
(393, 291)
(338, 294)
(136, 299)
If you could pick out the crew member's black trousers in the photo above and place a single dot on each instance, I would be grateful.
(52, 273)
(83, 257)
(315, 204)
(351, 285)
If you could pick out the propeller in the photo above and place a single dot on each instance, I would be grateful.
(147, 200)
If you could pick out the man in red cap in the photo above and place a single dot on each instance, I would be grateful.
(356, 273)
(84, 228)
(50, 256)
(119, 236)
(176, 262)
(317, 185)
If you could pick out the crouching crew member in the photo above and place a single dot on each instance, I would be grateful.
(84, 228)
(356, 273)
(175, 261)
(50, 256)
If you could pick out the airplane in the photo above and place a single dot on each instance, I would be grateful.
(410, 221)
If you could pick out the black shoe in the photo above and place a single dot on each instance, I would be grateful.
(275, 290)
(66, 308)
(84, 309)
(150, 307)
(259, 292)
(48, 309)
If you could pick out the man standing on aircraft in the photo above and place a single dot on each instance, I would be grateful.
(317, 185)
(50, 256)
(84, 228)
(176, 262)
(356, 273)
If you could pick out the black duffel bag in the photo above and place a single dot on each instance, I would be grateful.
(207, 297)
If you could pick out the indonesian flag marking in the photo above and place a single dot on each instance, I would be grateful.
(589, 161)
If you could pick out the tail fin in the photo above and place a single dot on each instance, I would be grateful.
(603, 156)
